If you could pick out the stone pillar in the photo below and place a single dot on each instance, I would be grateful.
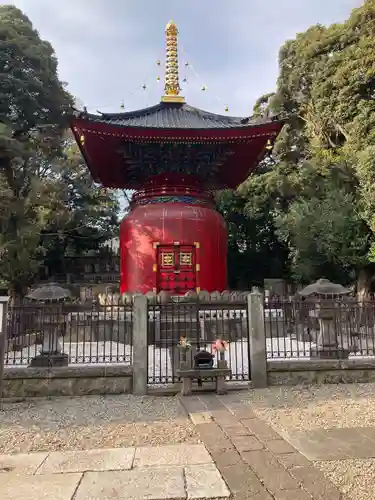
(3, 341)
(51, 352)
(140, 345)
(327, 344)
(257, 334)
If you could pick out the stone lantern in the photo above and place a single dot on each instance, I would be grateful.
(327, 299)
(51, 323)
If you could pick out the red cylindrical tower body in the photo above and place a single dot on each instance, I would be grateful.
(173, 239)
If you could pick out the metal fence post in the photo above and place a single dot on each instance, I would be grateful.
(140, 347)
(3, 342)
(258, 349)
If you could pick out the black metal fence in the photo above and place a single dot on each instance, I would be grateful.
(88, 333)
(293, 328)
(95, 332)
(201, 323)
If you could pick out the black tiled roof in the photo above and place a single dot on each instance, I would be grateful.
(170, 116)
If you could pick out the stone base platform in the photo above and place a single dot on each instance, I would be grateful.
(188, 375)
(162, 472)
(49, 360)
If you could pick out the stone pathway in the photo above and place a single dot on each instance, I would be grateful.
(240, 457)
(335, 444)
(254, 460)
(153, 473)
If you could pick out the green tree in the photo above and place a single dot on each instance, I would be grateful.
(325, 155)
(33, 104)
(87, 216)
(254, 251)
(326, 236)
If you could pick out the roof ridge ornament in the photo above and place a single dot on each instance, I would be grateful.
(172, 84)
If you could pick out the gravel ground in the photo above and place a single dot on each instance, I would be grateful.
(93, 422)
(324, 407)
(316, 407)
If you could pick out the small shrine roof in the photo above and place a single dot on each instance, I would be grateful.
(173, 116)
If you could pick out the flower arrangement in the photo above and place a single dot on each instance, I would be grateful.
(184, 345)
(220, 346)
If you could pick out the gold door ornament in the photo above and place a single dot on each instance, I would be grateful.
(186, 259)
(167, 259)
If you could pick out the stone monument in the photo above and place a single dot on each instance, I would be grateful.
(327, 298)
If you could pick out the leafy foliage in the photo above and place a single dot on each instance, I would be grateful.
(87, 216)
(254, 252)
(326, 236)
(48, 202)
(319, 186)
(32, 105)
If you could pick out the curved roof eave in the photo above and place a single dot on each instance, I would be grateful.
(172, 116)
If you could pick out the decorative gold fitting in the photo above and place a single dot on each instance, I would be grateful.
(197, 244)
(173, 98)
(197, 267)
(176, 243)
(155, 268)
(171, 79)
(156, 244)
(198, 289)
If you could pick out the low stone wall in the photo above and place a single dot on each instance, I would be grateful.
(299, 372)
(67, 381)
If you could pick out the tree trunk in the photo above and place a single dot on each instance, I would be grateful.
(17, 294)
(364, 285)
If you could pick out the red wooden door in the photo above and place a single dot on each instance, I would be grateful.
(176, 269)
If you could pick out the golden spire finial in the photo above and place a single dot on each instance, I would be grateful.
(172, 84)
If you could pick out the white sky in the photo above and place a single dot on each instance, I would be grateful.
(107, 49)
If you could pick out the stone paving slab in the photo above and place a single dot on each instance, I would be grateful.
(269, 470)
(214, 438)
(314, 481)
(180, 454)
(88, 460)
(246, 443)
(138, 484)
(335, 444)
(145, 473)
(47, 487)
(242, 480)
(205, 481)
(203, 417)
(22, 463)
(297, 494)
(161, 483)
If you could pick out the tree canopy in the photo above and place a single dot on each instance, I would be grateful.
(316, 189)
(48, 201)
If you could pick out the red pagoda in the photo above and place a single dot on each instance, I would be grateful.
(174, 157)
